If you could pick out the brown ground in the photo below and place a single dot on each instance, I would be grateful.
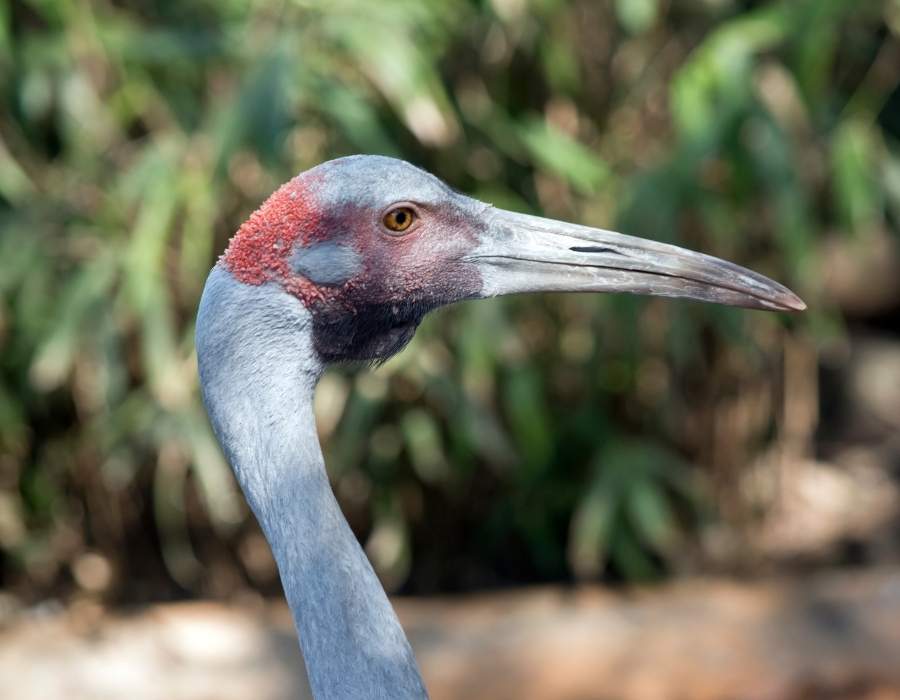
(835, 635)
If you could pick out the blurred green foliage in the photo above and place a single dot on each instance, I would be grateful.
(516, 440)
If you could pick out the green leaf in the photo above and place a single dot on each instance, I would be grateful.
(590, 532)
(637, 16)
(854, 174)
(651, 515)
(556, 151)
(423, 440)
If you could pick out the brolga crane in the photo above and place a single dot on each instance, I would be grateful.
(341, 264)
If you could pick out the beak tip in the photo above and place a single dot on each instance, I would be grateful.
(794, 303)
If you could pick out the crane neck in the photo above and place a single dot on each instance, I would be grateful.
(258, 372)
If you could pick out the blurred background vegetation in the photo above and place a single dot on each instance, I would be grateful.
(518, 440)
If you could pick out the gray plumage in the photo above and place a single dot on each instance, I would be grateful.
(258, 372)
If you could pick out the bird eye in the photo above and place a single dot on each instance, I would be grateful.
(399, 219)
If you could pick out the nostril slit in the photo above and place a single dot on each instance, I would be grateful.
(593, 249)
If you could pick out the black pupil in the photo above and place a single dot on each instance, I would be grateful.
(400, 218)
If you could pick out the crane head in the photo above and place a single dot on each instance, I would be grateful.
(370, 244)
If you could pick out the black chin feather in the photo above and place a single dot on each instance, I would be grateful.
(373, 334)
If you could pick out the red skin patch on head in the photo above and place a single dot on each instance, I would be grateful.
(399, 280)
(260, 250)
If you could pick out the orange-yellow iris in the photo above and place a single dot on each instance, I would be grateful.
(399, 219)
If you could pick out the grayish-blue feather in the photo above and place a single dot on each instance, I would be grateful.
(377, 181)
(327, 263)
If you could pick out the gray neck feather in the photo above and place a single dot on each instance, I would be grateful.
(258, 371)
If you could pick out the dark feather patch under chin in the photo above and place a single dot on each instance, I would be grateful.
(371, 334)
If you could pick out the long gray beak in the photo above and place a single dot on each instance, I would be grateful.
(522, 253)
